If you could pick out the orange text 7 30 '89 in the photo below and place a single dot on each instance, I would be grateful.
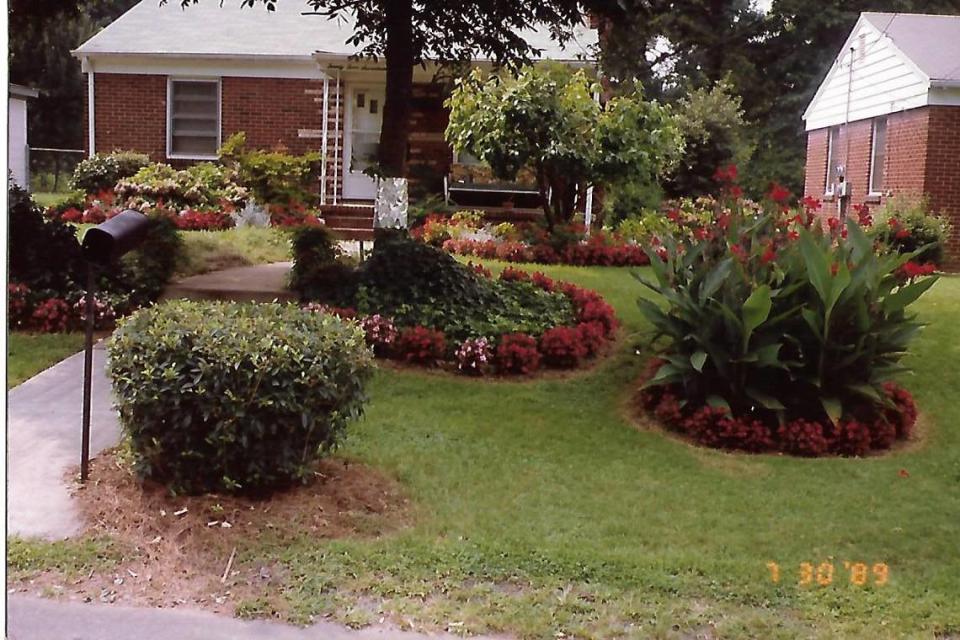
(824, 574)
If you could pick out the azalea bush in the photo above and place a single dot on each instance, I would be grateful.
(774, 315)
(102, 171)
(235, 397)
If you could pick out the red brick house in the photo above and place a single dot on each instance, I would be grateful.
(176, 83)
(886, 119)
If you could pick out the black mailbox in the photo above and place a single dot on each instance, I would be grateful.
(122, 233)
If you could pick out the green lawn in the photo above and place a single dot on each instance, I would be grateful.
(30, 353)
(545, 513)
(206, 251)
(49, 199)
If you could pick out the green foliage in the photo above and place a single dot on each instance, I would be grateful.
(417, 284)
(235, 397)
(924, 231)
(43, 254)
(104, 170)
(547, 118)
(273, 177)
(623, 200)
(714, 134)
(318, 272)
(143, 273)
(204, 185)
(764, 323)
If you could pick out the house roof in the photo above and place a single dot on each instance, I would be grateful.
(208, 29)
(20, 91)
(931, 42)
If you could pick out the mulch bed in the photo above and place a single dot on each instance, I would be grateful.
(177, 550)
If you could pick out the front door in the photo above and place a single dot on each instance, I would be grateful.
(363, 122)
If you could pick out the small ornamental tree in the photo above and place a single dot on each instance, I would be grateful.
(548, 118)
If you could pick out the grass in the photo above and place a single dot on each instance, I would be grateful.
(206, 251)
(544, 512)
(30, 353)
(49, 199)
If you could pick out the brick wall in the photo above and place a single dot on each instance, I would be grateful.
(430, 156)
(922, 159)
(273, 111)
(943, 173)
(131, 114)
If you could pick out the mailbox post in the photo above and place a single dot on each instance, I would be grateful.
(102, 246)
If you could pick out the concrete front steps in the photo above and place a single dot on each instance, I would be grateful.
(349, 221)
(257, 283)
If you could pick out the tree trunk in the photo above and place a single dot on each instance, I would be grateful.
(543, 186)
(392, 154)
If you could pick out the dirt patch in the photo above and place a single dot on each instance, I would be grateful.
(202, 551)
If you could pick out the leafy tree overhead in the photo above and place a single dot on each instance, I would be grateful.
(407, 33)
(547, 119)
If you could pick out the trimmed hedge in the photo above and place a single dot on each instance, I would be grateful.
(235, 397)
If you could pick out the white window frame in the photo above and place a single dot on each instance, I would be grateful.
(828, 186)
(183, 156)
(873, 153)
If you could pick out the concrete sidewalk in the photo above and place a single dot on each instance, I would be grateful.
(258, 283)
(43, 442)
(37, 619)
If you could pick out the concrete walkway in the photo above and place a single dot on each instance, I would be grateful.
(258, 283)
(37, 619)
(43, 443)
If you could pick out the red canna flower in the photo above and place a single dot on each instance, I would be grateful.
(778, 193)
(738, 251)
(811, 204)
(916, 270)
(727, 174)
(902, 234)
(769, 255)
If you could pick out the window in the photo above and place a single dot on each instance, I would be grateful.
(193, 127)
(878, 155)
(833, 161)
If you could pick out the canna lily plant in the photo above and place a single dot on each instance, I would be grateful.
(780, 314)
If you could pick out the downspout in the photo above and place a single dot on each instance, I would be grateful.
(324, 144)
(844, 194)
(91, 102)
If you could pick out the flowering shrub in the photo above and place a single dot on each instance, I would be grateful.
(19, 309)
(52, 315)
(517, 353)
(907, 225)
(103, 313)
(380, 333)
(421, 345)
(473, 356)
(204, 185)
(781, 319)
(103, 170)
(562, 347)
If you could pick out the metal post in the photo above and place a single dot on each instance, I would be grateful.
(88, 371)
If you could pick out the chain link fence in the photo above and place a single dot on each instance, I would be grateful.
(51, 169)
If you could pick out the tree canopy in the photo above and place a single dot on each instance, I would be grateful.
(547, 118)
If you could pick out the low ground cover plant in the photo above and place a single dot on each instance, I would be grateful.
(419, 305)
(235, 397)
(782, 331)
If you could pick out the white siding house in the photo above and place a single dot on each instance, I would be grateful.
(899, 62)
(18, 153)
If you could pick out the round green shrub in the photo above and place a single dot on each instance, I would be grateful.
(235, 397)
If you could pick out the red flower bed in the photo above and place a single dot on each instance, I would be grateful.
(810, 437)
(563, 347)
(421, 345)
(517, 353)
(52, 315)
(191, 220)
